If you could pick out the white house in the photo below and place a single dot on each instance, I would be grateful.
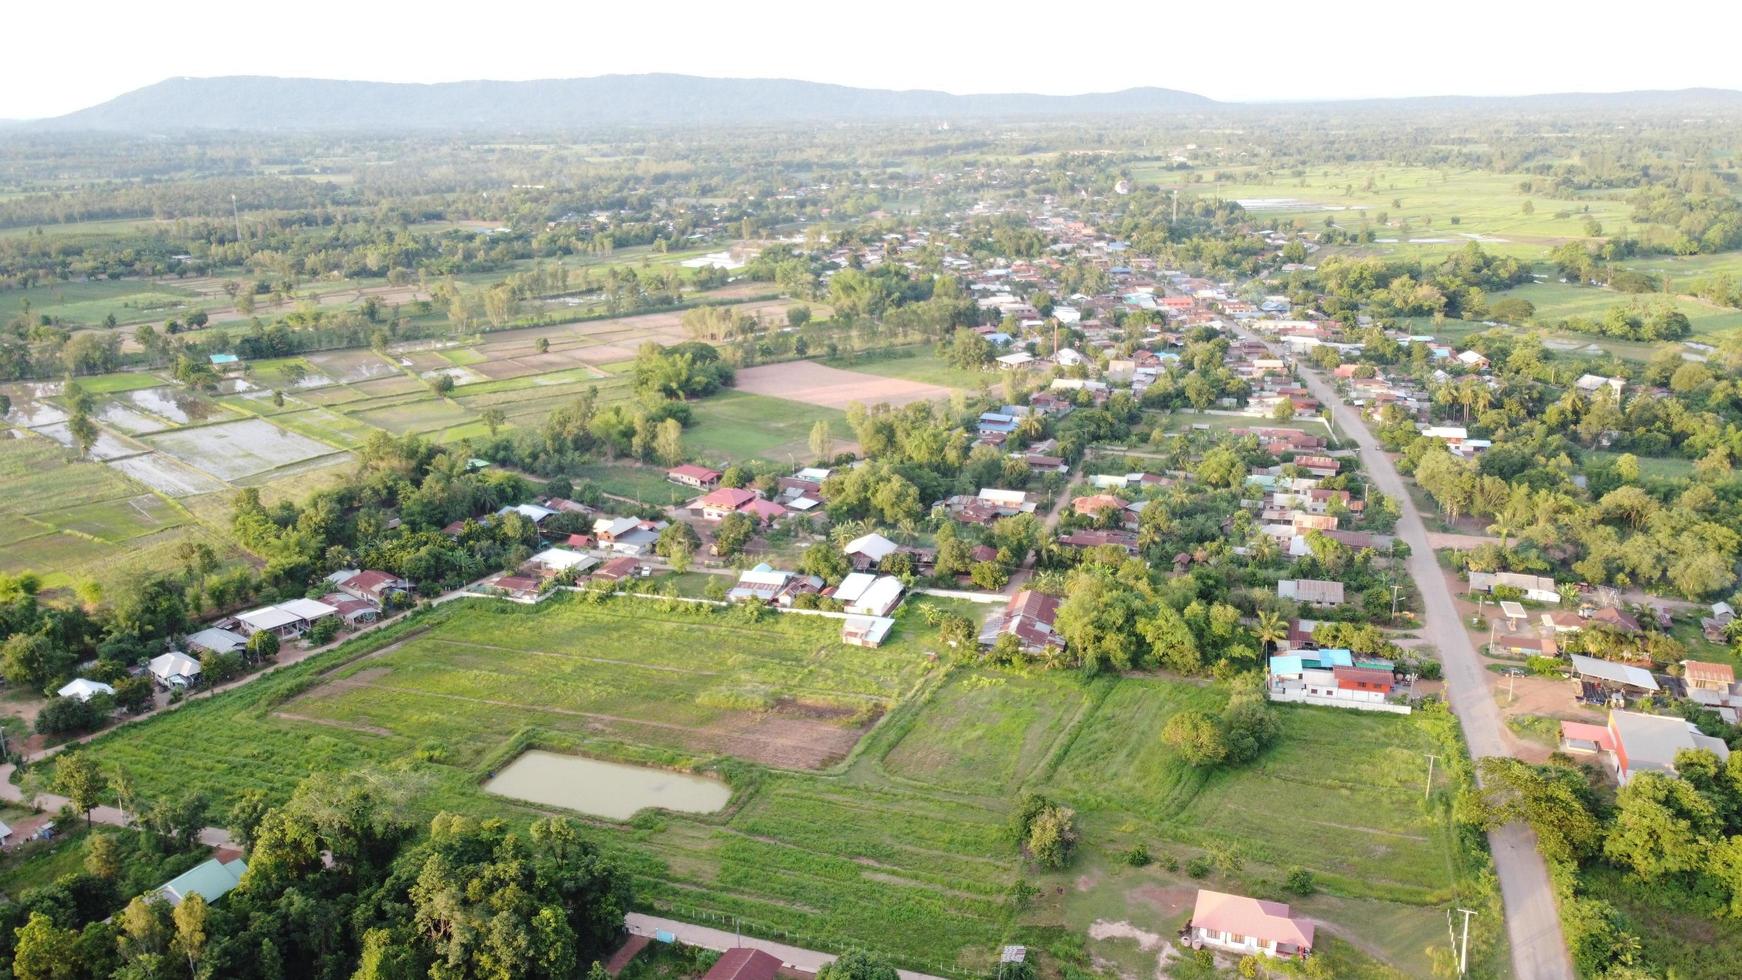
(309, 611)
(271, 619)
(867, 551)
(174, 669)
(559, 560)
(864, 594)
(84, 689)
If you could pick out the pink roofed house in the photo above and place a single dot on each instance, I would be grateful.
(1237, 924)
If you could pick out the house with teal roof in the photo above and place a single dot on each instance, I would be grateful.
(211, 880)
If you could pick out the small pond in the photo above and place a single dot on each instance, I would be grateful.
(605, 789)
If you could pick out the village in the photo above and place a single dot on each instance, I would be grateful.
(1141, 474)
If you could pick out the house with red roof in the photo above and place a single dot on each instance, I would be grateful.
(1028, 616)
(372, 585)
(691, 475)
(1248, 926)
(726, 500)
(744, 963)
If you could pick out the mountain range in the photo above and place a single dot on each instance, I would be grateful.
(262, 103)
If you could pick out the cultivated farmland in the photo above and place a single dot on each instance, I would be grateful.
(871, 788)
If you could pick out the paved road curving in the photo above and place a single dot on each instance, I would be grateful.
(1539, 952)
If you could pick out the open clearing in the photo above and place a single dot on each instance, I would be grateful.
(816, 384)
(231, 450)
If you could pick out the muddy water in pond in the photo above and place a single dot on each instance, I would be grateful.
(605, 789)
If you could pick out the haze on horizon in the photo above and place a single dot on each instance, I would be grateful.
(1262, 51)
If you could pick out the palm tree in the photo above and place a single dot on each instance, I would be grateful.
(1272, 629)
(1503, 528)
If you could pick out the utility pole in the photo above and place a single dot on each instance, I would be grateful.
(1428, 792)
(1395, 589)
(1464, 953)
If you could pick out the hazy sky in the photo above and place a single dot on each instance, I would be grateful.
(64, 57)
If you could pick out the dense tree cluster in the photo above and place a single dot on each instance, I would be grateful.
(340, 883)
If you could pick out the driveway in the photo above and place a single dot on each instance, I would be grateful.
(1532, 922)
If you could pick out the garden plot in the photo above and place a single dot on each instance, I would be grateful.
(178, 405)
(461, 375)
(108, 445)
(121, 520)
(128, 419)
(232, 450)
(167, 475)
(29, 408)
(352, 365)
(423, 415)
(388, 387)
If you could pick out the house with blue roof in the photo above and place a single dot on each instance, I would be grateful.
(998, 422)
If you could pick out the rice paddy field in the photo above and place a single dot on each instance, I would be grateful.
(190, 451)
(871, 788)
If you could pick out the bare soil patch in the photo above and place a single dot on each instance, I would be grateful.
(817, 384)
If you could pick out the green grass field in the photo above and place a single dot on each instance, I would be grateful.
(87, 303)
(898, 841)
(736, 426)
(921, 365)
(1419, 202)
(1556, 300)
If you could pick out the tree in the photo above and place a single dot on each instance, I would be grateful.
(988, 575)
(493, 419)
(822, 440)
(1098, 620)
(45, 951)
(77, 777)
(825, 561)
(1052, 836)
(263, 646)
(1196, 737)
(103, 858)
(190, 929)
(1272, 629)
(31, 660)
(60, 716)
(734, 532)
(325, 630)
(668, 442)
(245, 815)
(442, 384)
(677, 543)
(83, 431)
(1552, 800)
(1249, 724)
(858, 964)
(1662, 827)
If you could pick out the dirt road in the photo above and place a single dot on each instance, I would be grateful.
(1539, 951)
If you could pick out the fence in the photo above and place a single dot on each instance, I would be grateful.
(1298, 696)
